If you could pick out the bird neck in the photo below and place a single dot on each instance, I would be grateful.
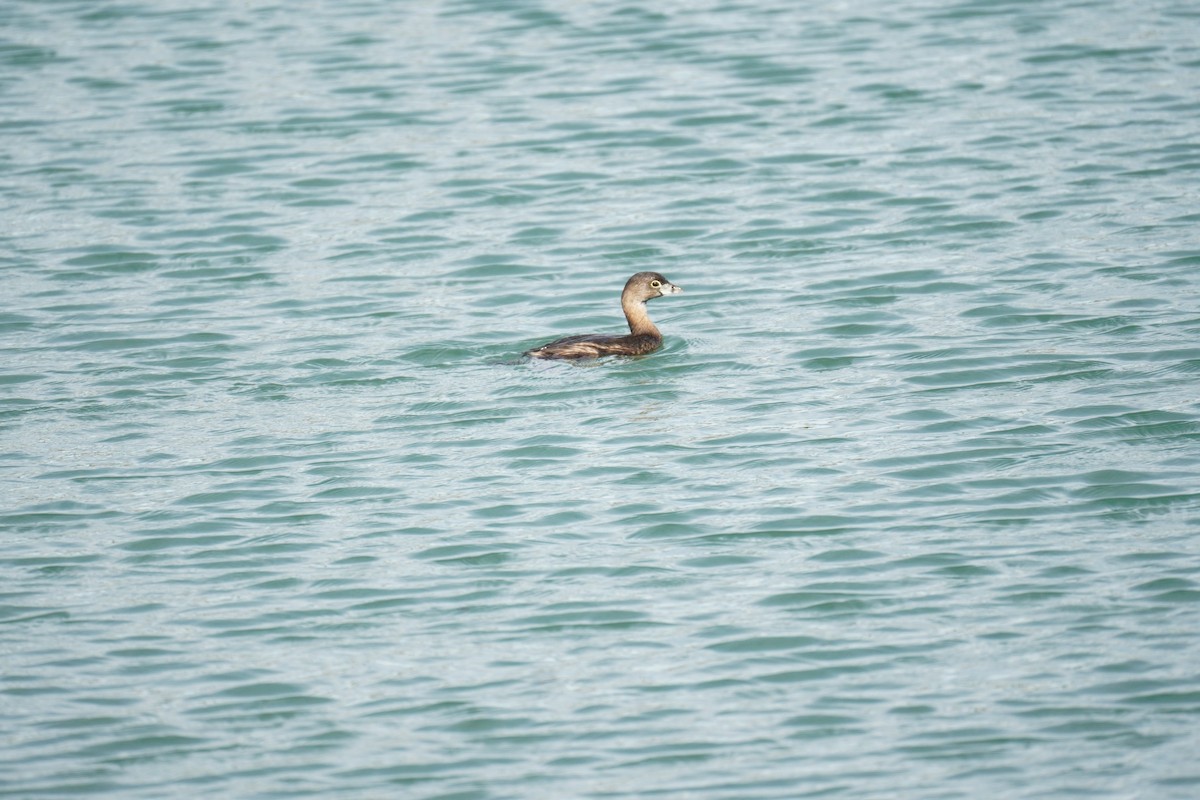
(636, 316)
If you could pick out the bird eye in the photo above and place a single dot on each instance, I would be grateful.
(655, 284)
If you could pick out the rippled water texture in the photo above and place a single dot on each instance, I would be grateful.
(906, 507)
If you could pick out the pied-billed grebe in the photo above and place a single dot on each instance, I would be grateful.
(643, 335)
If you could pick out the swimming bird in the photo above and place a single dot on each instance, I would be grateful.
(643, 337)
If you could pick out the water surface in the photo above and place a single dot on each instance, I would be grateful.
(905, 507)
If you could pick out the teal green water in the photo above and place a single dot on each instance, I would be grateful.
(906, 507)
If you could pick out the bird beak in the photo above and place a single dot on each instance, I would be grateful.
(671, 288)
